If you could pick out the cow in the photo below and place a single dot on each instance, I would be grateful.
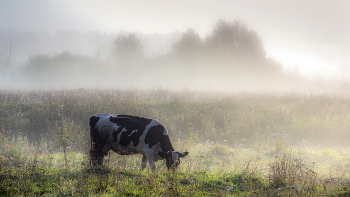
(128, 135)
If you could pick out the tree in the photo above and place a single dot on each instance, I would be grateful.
(222, 39)
(37, 64)
(63, 68)
(250, 43)
(190, 45)
(128, 50)
(234, 39)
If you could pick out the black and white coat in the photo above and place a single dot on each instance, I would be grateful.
(128, 135)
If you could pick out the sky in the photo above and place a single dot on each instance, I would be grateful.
(310, 34)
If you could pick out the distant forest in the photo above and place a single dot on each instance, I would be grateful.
(230, 57)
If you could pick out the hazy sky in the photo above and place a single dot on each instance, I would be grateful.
(313, 34)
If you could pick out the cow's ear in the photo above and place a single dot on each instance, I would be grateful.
(162, 155)
(183, 154)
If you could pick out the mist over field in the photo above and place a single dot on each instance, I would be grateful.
(231, 57)
(231, 45)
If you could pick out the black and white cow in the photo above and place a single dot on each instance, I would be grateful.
(128, 135)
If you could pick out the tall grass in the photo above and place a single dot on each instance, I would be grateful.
(241, 143)
(236, 118)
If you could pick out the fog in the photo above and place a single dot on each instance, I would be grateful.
(240, 81)
(270, 45)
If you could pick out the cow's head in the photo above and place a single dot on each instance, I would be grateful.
(172, 158)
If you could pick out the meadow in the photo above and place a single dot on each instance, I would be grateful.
(240, 143)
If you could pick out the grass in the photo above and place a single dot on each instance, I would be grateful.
(240, 144)
(210, 170)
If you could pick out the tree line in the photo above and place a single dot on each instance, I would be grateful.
(231, 44)
(230, 54)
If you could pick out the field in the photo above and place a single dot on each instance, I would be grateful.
(239, 144)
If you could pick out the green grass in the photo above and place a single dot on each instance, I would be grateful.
(240, 144)
(124, 182)
(209, 170)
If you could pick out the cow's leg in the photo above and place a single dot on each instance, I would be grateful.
(96, 155)
(152, 163)
(103, 152)
(97, 144)
(98, 152)
(100, 159)
(144, 162)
